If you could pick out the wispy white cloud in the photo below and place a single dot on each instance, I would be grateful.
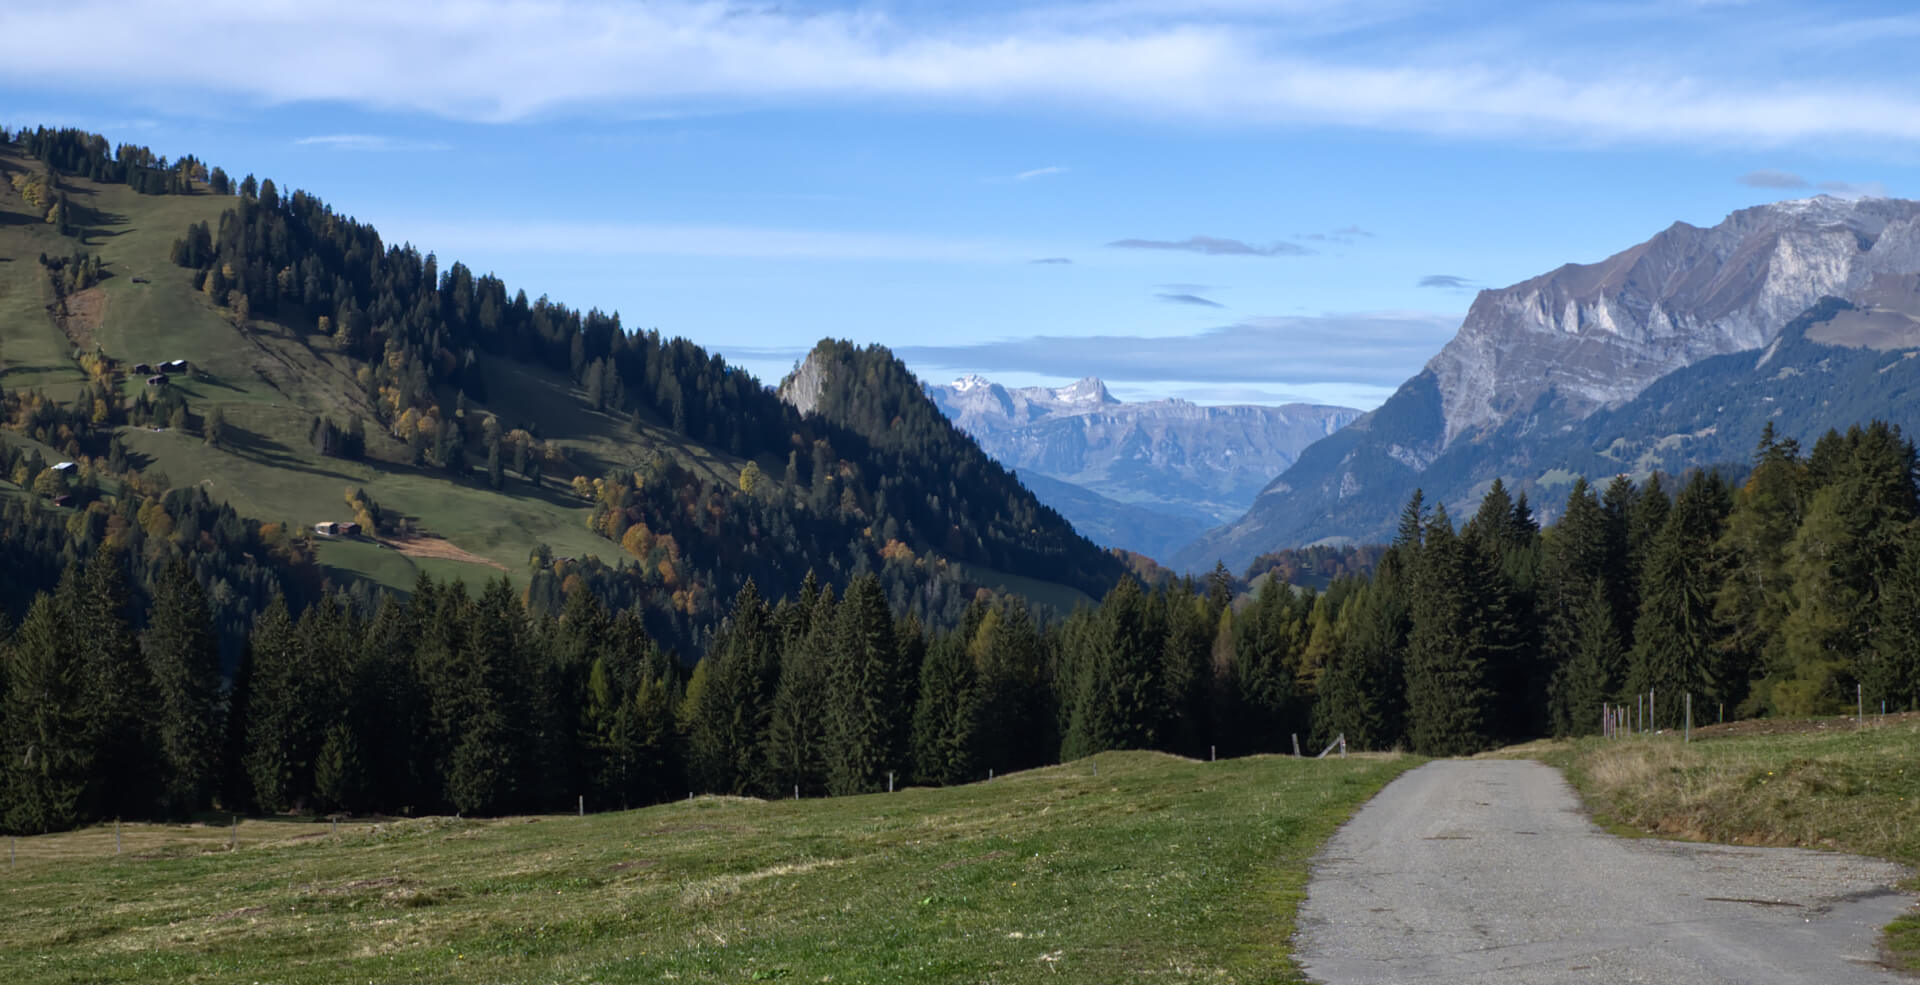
(1374, 349)
(1228, 62)
(1039, 173)
(371, 142)
(1854, 189)
(1214, 246)
(1772, 178)
(649, 239)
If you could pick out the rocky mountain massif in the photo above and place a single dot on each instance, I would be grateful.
(1557, 375)
(1149, 476)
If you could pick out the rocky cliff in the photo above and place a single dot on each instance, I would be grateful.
(1549, 352)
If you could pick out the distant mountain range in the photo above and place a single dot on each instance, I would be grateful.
(1147, 476)
(1668, 355)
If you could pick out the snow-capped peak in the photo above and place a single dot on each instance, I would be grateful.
(971, 381)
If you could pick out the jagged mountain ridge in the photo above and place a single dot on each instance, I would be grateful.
(1184, 462)
(1544, 355)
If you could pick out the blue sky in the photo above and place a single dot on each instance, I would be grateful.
(1224, 200)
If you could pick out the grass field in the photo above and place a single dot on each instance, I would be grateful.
(1809, 784)
(1128, 867)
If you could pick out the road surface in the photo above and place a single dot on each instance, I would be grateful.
(1488, 871)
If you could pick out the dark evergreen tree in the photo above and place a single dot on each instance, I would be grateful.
(45, 715)
(1448, 692)
(1676, 634)
(946, 715)
(868, 705)
(281, 704)
(183, 659)
(797, 726)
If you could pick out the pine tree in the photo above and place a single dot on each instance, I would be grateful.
(946, 714)
(1756, 594)
(48, 754)
(280, 712)
(1890, 671)
(730, 726)
(867, 701)
(1120, 699)
(1184, 670)
(183, 659)
(120, 691)
(1448, 692)
(1017, 717)
(1594, 669)
(797, 728)
(1850, 534)
(1676, 632)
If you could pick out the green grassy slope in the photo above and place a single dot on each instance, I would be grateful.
(1129, 867)
(270, 379)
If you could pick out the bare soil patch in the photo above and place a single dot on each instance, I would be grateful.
(79, 315)
(421, 545)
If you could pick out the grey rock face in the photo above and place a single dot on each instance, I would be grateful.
(1549, 353)
(1599, 333)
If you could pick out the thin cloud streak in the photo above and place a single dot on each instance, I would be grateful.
(1214, 246)
(1772, 178)
(1374, 349)
(370, 142)
(1446, 282)
(507, 60)
(1190, 299)
(1039, 173)
(642, 239)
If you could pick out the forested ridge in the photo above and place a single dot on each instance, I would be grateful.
(164, 655)
(843, 492)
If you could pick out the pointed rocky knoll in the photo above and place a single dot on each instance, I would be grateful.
(1532, 362)
(1185, 467)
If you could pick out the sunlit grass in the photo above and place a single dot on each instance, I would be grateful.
(1156, 868)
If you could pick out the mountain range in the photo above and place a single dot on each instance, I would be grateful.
(1144, 476)
(1645, 360)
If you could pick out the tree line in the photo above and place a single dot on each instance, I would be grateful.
(1777, 596)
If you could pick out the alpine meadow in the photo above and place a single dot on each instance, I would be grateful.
(1335, 492)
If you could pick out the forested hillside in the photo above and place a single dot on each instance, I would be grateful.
(522, 434)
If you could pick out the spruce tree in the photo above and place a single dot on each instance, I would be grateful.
(729, 729)
(1849, 536)
(1017, 718)
(1448, 692)
(280, 712)
(867, 701)
(946, 714)
(1756, 594)
(48, 752)
(1676, 634)
(1594, 669)
(183, 659)
(120, 691)
(797, 725)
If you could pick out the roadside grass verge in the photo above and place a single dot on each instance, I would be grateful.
(1152, 869)
(1856, 791)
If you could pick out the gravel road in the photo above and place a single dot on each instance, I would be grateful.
(1488, 872)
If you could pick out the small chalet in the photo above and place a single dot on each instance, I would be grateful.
(174, 366)
(327, 528)
(66, 468)
(156, 381)
(142, 368)
(63, 500)
(348, 528)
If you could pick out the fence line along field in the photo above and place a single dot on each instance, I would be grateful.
(1149, 867)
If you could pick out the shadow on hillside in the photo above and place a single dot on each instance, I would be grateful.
(15, 219)
(552, 491)
(54, 368)
(267, 451)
